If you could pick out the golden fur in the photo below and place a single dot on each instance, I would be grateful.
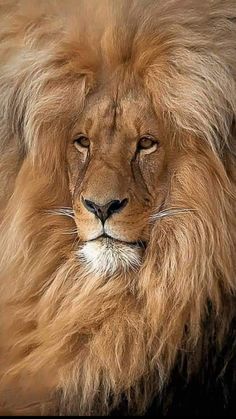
(71, 340)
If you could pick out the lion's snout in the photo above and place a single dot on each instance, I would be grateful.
(104, 211)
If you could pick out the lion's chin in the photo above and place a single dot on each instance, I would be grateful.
(107, 256)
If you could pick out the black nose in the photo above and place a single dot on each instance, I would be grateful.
(103, 212)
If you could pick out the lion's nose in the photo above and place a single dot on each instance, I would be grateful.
(103, 212)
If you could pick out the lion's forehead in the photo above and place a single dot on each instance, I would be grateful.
(132, 112)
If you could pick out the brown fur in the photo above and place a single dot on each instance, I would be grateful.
(77, 336)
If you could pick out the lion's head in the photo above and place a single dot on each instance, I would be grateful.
(117, 195)
(118, 176)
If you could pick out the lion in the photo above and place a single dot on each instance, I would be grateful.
(117, 207)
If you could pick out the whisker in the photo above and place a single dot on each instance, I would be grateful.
(64, 211)
(169, 212)
(70, 232)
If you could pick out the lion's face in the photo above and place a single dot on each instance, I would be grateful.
(116, 162)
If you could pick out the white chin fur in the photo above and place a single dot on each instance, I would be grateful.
(105, 256)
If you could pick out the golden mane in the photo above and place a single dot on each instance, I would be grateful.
(96, 341)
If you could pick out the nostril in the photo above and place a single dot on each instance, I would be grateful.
(89, 205)
(117, 205)
(104, 211)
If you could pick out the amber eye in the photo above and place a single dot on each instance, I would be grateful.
(147, 143)
(82, 142)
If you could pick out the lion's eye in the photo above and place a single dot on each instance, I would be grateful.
(147, 143)
(82, 142)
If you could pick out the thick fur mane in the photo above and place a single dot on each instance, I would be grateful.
(96, 341)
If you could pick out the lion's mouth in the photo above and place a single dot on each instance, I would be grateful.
(109, 239)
